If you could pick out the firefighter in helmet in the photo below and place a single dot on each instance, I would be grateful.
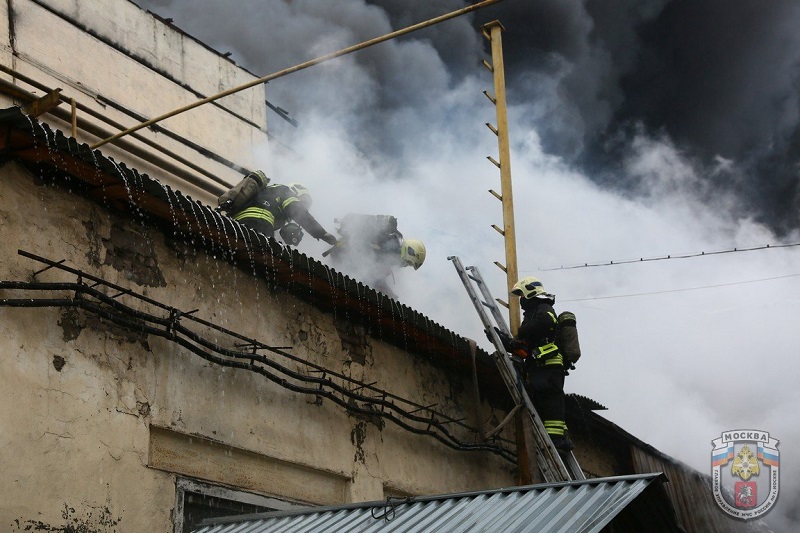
(371, 247)
(282, 208)
(544, 364)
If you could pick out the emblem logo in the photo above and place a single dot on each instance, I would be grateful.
(744, 472)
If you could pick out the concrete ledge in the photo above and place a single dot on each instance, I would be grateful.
(217, 462)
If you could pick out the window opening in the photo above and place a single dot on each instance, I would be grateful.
(196, 501)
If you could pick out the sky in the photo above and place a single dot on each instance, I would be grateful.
(640, 129)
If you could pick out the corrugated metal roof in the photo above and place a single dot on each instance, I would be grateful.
(629, 503)
(55, 158)
(59, 159)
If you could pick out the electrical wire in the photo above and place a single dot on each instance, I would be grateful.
(346, 394)
(664, 258)
(679, 290)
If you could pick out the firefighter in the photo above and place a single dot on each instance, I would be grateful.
(282, 208)
(544, 364)
(371, 246)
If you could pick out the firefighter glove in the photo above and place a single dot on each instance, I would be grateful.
(505, 338)
(330, 239)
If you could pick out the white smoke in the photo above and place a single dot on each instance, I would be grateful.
(678, 349)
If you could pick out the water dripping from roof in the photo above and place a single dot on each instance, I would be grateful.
(248, 237)
(167, 192)
(379, 303)
(269, 267)
(400, 313)
(202, 210)
(286, 250)
(34, 124)
(124, 177)
(219, 224)
(329, 274)
(204, 226)
(199, 229)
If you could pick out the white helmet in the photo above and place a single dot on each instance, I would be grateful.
(530, 287)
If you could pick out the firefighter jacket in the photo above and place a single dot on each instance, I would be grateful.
(372, 234)
(276, 204)
(538, 331)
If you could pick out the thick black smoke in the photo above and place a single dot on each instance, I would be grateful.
(719, 79)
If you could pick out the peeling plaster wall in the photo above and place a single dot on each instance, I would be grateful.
(5, 36)
(99, 419)
(112, 50)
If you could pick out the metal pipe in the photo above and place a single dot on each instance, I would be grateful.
(73, 111)
(164, 164)
(302, 66)
(18, 92)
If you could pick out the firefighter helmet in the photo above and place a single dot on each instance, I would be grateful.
(412, 253)
(302, 193)
(530, 287)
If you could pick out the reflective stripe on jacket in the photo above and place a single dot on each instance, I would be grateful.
(549, 353)
(256, 212)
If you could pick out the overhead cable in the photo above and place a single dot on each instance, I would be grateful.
(662, 258)
(679, 290)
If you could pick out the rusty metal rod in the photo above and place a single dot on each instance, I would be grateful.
(15, 91)
(302, 66)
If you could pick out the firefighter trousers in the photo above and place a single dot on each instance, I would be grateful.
(546, 388)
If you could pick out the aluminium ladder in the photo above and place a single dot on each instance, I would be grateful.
(554, 466)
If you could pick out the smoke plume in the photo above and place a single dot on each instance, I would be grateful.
(639, 128)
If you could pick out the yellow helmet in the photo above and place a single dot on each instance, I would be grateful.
(412, 253)
(528, 288)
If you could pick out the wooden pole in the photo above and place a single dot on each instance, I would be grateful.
(527, 470)
(493, 31)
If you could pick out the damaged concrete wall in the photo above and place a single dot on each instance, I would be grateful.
(111, 52)
(99, 420)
